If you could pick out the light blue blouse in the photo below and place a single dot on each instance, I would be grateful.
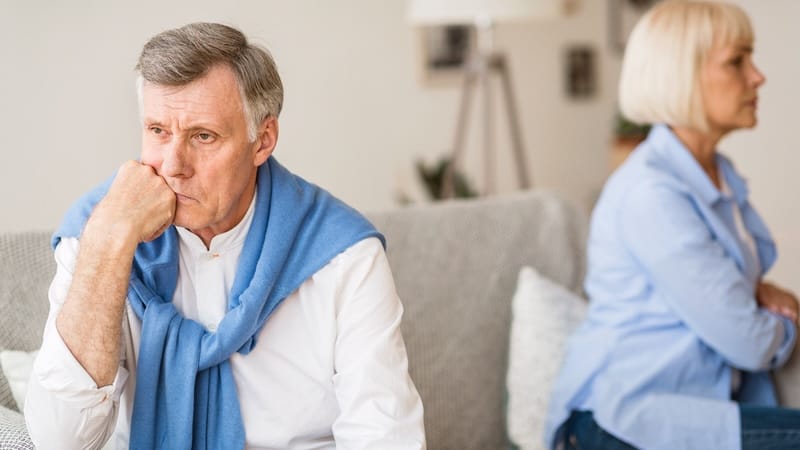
(672, 308)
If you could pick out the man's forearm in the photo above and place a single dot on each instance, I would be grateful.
(139, 206)
(90, 321)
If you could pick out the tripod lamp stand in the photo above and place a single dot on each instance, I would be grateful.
(483, 63)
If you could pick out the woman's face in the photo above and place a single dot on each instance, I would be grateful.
(729, 81)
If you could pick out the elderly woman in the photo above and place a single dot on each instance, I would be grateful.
(682, 330)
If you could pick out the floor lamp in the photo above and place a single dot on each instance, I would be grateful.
(484, 63)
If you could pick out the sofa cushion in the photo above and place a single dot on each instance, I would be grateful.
(455, 265)
(17, 365)
(26, 268)
(13, 433)
(6, 397)
(544, 314)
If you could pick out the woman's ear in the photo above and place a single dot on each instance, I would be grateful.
(267, 140)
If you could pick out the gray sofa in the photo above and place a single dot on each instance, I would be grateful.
(455, 265)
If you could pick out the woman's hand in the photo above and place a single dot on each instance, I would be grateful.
(777, 300)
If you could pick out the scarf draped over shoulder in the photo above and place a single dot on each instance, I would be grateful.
(183, 369)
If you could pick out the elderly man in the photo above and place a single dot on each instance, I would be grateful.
(208, 298)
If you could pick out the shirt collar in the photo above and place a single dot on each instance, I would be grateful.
(683, 165)
(735, 182)
(224, 241)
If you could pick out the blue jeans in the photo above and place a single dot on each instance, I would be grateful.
(766, 428)
(583, 433)
(763, 428)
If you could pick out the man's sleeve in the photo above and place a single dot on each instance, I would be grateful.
(380, 407)
(64, 408)
(699, 280)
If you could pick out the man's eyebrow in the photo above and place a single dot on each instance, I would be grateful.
(150, 121)
(207, 126)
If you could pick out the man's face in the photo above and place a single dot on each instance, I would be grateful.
(195, 137)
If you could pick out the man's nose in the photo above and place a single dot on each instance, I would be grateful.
(175, 161)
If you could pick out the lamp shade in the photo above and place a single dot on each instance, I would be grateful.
(445, 12)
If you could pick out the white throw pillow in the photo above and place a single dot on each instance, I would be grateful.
(787, 379)
(544, 314)
(17, 366)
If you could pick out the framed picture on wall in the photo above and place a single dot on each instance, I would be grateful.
(443, 52)
(580, 71)
(622, 17)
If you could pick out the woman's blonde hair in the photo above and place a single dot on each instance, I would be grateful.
(660, 79)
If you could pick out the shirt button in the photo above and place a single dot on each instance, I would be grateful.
(212, 327)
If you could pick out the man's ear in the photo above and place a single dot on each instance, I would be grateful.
(267, 140)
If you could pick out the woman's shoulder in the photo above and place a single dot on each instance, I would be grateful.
(646, 174)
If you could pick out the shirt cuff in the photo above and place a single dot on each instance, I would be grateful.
(789, 339)
(58, 372)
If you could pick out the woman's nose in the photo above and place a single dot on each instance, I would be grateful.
(756, 77)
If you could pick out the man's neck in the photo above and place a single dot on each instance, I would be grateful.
(208, 234)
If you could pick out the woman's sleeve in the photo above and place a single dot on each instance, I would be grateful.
(666, 234)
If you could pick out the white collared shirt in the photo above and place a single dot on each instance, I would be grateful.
(329, 369)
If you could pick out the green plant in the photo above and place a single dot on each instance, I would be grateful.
(432, 177)
(624, 128)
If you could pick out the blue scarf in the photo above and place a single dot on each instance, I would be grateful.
(184, 370)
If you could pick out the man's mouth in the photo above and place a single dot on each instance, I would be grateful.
(183, 198)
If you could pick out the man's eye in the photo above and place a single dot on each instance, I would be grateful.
(156, 130)
(205, 137)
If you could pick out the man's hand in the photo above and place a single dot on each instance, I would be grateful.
(777, 300)
(138, 207)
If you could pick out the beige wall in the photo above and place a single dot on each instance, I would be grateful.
(356, 116)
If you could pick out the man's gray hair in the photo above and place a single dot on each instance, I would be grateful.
(182, 55)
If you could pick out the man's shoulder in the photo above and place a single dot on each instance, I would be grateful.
(363, 262)
(366, 249)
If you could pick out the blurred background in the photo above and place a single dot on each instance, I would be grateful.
(371, 95)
